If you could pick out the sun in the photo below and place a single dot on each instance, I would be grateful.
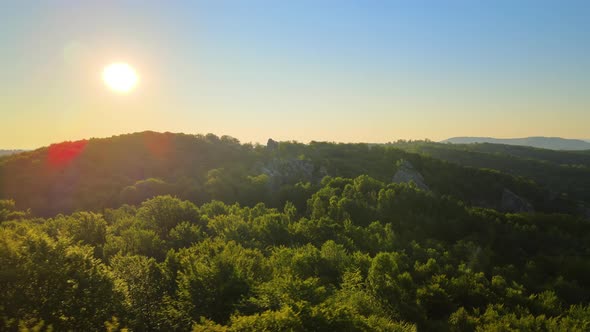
(120, 77)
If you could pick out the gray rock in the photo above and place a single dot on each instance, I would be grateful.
(584, 211)
(283, 171)
(511, 202)
(271, 144)
(406, 173)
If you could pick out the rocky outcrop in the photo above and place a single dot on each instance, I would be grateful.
(584, 211)
(282, 171)
(288, 168)
(271, 144)
(511, 202)
(406, 173)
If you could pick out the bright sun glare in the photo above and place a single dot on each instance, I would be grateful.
(120, 77)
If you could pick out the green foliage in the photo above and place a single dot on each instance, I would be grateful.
(162, 213)
(565, 172)
(142, 281)
(130, 169)
(8, 211)
(53, 282)
(144, 189)
(260, 250)
(284, 319)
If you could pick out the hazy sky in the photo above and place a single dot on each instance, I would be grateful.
(369, 71)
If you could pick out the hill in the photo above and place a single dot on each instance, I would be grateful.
(565, 172)
(175, 232)
(552, 143)
(100, 173)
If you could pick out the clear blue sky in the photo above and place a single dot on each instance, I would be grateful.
(348, 71)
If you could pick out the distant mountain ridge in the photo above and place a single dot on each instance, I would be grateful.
(551, 143)
(9, 152)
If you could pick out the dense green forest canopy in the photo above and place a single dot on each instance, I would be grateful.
(174, 232)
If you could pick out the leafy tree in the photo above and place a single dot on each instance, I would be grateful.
(54, 282)
(163, 213)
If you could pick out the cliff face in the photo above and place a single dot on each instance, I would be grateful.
(282, 171)
(511, 202)
(406, 173)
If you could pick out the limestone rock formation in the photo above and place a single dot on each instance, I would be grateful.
(584, 211)
(406, 173)
(511, 202)
(271, 144)
(282, 171)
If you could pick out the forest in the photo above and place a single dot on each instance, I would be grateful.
(176, 232)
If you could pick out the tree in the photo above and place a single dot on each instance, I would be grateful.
(163, 213)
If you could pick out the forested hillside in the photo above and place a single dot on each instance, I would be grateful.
(175, 232)
(101, 173)
(558, 171)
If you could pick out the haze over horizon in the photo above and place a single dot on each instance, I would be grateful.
(348, 71)
(447, 140)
